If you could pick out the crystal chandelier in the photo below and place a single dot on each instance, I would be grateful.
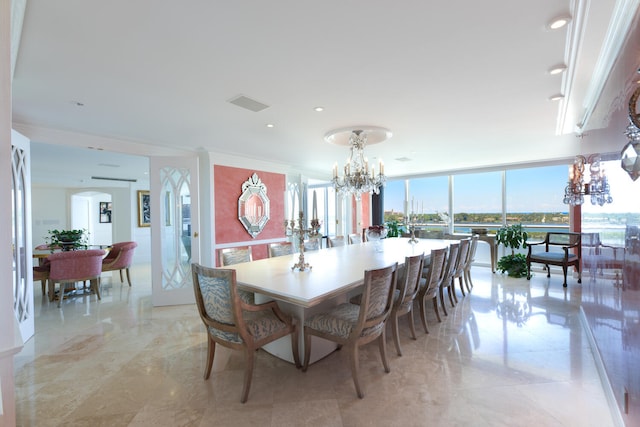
(357, 177)
(597, 187)
(630, 155)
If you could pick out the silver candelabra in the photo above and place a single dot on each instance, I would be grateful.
(411, 226)
(301, 233)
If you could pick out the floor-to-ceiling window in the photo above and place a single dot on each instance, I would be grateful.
(534, 199)
(610, 220)
(477, 201)
(325, 207)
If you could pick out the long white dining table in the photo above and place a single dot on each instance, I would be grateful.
(335, 274)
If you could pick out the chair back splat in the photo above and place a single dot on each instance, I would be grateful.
(235, 324)
(352, 326)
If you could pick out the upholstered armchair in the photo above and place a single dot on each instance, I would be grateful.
(352, 326)
(558, 248)
(231, 256)
(120, 258)
(336, 241)
(235, 324)
(280, 249)
(312, 244)
(355, 238)
(75, 266)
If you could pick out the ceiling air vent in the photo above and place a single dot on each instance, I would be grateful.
(248, 103)
(114, 179)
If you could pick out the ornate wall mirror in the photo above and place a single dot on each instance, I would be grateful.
(253, 205)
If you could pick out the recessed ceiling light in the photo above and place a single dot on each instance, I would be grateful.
(270, 125)
(559, 22)
(318, 109)
(557, 69)
(556, 97)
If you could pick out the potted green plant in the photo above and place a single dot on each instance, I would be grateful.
(394, 228)
(513, 237)
(67, 239)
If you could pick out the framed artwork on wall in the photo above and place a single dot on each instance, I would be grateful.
(144, 208)
(105, 212)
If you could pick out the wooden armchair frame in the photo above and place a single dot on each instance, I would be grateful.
(571, 255)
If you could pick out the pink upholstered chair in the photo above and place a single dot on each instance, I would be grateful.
(120, 258)
(75, 266)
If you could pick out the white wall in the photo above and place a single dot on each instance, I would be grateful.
(52, 208)
(48, 212)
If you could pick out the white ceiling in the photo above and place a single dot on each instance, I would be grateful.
(461, 84)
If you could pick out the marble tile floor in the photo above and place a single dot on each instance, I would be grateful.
(512, 353)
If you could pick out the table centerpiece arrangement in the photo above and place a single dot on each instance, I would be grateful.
(375, 233)
(67, 240)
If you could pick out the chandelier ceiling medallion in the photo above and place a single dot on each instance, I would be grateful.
(357, 178)
(597, 187)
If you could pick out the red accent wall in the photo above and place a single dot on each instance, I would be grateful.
(227, 188)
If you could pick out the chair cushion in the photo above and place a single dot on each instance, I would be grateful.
(552, 257)
(339, 321)
(216, 298)
(259, 324)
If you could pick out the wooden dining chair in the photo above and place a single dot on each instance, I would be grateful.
(231, 256)
(279, 249)
(312, 244)
(334, 242)
(429, 290)
(355, 238)
(458, 274)
(404, 295)
(234, 324)
(471, 257)
(447, 279)
(352, 326)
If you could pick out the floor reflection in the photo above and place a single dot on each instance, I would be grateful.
(513, 350)
(611, 304)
